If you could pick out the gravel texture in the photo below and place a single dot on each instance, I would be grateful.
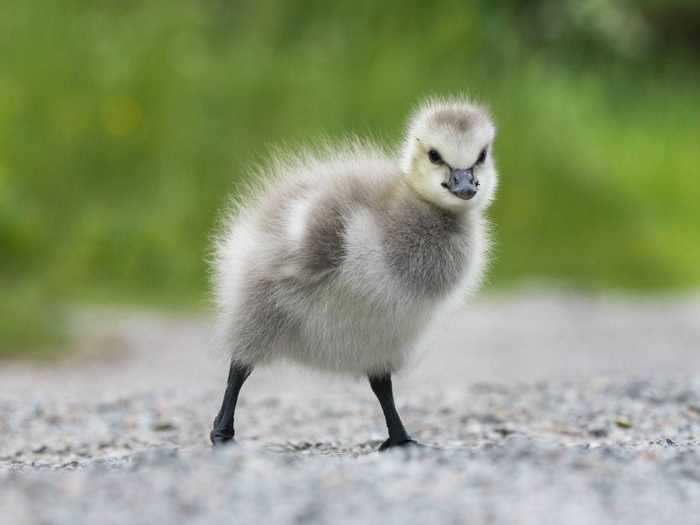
(537, 408)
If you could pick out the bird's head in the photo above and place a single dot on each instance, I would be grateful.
(447, 154)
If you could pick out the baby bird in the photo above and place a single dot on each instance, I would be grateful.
(342, 258)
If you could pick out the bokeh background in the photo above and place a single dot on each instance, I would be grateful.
(125, 126)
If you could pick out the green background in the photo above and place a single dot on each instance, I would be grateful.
(125, 125)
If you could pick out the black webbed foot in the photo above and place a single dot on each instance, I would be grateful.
(219, 437)
(409, 442)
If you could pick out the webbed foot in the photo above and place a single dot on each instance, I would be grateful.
(408, 442)
(221, 437)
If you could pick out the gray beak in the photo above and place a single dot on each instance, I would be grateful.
(462, 183)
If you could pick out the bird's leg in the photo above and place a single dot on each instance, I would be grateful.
(223, 423)
(381, 386)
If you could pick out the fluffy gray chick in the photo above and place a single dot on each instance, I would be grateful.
(342, 256)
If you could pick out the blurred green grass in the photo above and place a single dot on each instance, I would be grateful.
(124, 126)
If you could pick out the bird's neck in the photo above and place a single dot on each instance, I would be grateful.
(425, 245)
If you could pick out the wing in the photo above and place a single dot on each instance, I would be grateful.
(314, 238)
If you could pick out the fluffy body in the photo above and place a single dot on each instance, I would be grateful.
(341, 258)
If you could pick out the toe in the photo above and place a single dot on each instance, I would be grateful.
(408, 442)
(218, 438)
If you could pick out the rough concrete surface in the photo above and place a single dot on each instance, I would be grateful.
(538, 408)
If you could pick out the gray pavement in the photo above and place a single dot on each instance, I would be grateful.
(539, 408)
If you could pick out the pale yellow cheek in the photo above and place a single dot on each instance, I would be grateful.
(429, 186)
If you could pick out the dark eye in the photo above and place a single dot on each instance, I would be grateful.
(435, 157)
(482, 156)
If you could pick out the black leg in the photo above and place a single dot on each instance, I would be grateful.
(381, 386)
(223, 423)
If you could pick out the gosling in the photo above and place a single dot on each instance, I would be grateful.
(341, 258)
